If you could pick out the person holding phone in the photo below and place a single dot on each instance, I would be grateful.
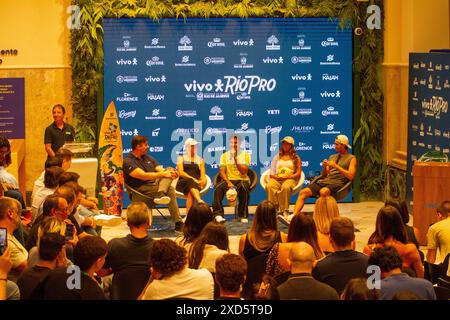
(5, 263)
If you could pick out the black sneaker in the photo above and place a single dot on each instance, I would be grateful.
(179, 226)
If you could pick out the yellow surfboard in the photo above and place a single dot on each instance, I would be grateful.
(111, 160)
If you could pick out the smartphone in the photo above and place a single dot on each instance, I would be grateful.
(3, 240)
(69, 231)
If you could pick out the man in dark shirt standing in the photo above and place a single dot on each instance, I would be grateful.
(144, 173)
(59, 132)
(300, 284)
(345, 263)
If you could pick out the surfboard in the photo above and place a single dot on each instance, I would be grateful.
(111, 160)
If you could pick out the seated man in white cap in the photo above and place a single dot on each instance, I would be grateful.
(336, 172)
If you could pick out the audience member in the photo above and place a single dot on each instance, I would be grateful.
(51, 255)
(171, 278)
(300, 284)
(325, 210)
(393, 279)
(412, 233)
(8, 289)
(51, 177)
(439, 234)
(231, 270)
(208, 247)
(406, 295)
(390, 231)
(357, 289)
(344, 263)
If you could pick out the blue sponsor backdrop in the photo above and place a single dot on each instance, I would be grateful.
(429, 118)
(264, 78)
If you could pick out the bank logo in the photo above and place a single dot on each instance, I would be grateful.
(214, 60)
(126, 79)
(330, 112)
(302, 77)
(302, 129)
(129, 62)
(330, 129)
(301, 44)
(270, 60)
(155, 132)
(273, 112)
(244, 113)
(216, 113)
(133, 132)
(245, 128)
(123, 114)
(154, 45)
(216, 43)
(330, 61)
(301, 112)
(185, 62)
(243, 62)
(326, 94)
(330, 77)
(126, 46)
(127, 97)
(156, 115)
(154, 61)
(272, 43)
(270, 129)
(303, 147)
(186, 113)
(327, 146)
(301, 97)
(185, 44)
(244, 43)
(330, 43)
(155, 97)
(303, 60)
(150, 78)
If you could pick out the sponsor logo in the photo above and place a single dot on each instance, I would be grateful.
(155, 115)
(186, 113)
(270, 60)
(330, 61)
(273, 112)
(126, 46)
(216, 149)
(242, 113)
(134, 132)
(423, 82)
(303, 147)
(414, 112)
(414, 143)
(301, 96)
(430, 67)
(154, 45)
(233, 85)
(270, 129)
(302, 129)
(127, 150)
(127, 79)
(214, 60)
(154, 97)
(216, 113)
(327, 146)
(327, 94)
(272, 43)
(154, 61)
(123, 62)
(415, 127)
(185, 62)
(244, 43)
(330, 43)
(434, 107)
(155, 132)
(415, 82)
(446, 84)
(330, 112)
(430, 82)
(214, 131)
(422, 65)
(243, 63)
(216, 43)
(301, 44)
(187, 130)
(330, 130)
(243, 96)
(155, 79)
(185, 44)
(438, 85)
(421, 133)
(156, 149)
(302, 112)
(438, 67)
(296, 59)
(305, 164)
(214, 166)
(273, 147)
(302, 77)
(123, 114)
(127, 97)
(244, 128)
(330, 77)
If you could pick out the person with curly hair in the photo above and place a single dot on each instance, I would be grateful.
(231, 270)
(172, 279)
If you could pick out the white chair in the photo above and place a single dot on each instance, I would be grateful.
(264, 180)
(202, 192)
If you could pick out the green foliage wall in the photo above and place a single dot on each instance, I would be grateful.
(87, 58)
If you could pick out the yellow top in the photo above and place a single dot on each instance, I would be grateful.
(227, 161)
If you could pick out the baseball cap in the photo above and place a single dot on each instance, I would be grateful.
(343, 140)
(190, 142)
(288, 139)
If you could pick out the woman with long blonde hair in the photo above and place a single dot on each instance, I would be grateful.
(325, 210)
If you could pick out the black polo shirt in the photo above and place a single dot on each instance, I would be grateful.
(131, 162)
(57, 137)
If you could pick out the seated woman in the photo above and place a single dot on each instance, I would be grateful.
(325, 210)
(285, 172)
(211, 244)
(302, 228)
(412, 233)
(191, 169)
(263, 233)
(390, 231)
(50, 184)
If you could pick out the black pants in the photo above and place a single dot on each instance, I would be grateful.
(243, 191)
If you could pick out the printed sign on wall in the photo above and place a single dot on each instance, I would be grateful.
(12, 108)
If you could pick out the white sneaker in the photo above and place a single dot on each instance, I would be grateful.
(162, 200)
(244, 220)
(220, 219)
